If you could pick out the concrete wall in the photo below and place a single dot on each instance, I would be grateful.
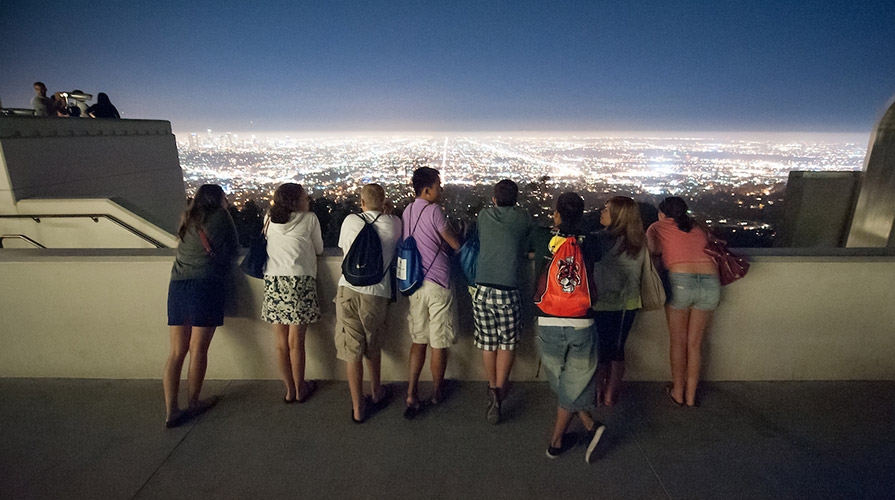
(81, 232)
(873, 223)
(101, 314)
(133, 162)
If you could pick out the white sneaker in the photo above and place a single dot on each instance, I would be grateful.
(593, 436)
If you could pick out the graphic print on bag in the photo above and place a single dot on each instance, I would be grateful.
(362, 265)
(564, 290)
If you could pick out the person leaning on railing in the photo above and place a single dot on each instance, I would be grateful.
(290, 284)
(693, 295)
(617, 278)
(196, 296)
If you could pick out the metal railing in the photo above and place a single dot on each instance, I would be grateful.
(19, 237)
(94, 217)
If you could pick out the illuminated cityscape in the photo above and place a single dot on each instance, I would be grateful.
(734, 183)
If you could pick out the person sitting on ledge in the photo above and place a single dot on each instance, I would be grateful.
(41, 103)
(103, 108)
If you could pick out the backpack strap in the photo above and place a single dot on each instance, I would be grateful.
(425, 269)
(420, 216)
(365, 219)
(388, 267)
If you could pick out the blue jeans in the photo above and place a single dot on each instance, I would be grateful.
(569, 358)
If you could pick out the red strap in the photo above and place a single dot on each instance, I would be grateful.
(205, 242)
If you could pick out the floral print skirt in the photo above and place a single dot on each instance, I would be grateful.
(290, 300)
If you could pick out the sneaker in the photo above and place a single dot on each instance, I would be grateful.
(493, 412)
(568, 442)
(593, 437)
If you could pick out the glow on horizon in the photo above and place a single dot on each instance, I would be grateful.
(795, 136)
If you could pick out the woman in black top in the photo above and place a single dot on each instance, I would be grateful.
(196, 296)
(103, 108)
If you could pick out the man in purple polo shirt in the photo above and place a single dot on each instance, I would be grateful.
(431, 321)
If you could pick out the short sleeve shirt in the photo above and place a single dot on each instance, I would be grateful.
(388, 227)
(425, 221)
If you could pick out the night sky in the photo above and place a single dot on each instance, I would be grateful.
(462, 65)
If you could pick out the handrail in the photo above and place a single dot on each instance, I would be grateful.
(95, 218)
(19, 237)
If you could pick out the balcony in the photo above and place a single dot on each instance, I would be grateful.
(83, 327)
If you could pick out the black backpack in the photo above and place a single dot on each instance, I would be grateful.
(362, 265)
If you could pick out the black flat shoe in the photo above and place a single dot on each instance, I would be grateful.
(668, 391)
(412, 411)
(177, 420)
(309, 387)
(383, 401)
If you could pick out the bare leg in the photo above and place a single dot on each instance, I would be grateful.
(616, 372)
(180, 345)
(417, 360)
(587, 419)
(505, 359)
(438, 364)
(281, 333)
(563, 418)
(677, 327)
(356, 386)
(200, 340)
(297, 357)
(699, 321)
(489, 360)
(374, 365)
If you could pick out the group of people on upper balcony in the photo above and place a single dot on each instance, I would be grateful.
(582, 346)
(74, 103)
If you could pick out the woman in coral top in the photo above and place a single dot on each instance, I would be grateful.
(693, 296)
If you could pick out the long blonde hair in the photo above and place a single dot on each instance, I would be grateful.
(626, 225)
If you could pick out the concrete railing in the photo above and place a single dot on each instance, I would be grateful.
(101, 313)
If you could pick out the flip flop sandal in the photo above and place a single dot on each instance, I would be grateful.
(308, 389)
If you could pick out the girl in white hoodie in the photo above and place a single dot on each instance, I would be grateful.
(290, 284)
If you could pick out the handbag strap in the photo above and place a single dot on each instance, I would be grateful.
(205, 243)
(266, 225)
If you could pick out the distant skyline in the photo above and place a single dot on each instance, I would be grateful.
(462, 66)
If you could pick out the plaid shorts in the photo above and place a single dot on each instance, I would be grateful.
(498, 318)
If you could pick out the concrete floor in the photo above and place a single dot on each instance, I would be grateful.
(74, 438)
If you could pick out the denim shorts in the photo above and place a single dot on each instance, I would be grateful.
(568, 355)
(697, 291)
